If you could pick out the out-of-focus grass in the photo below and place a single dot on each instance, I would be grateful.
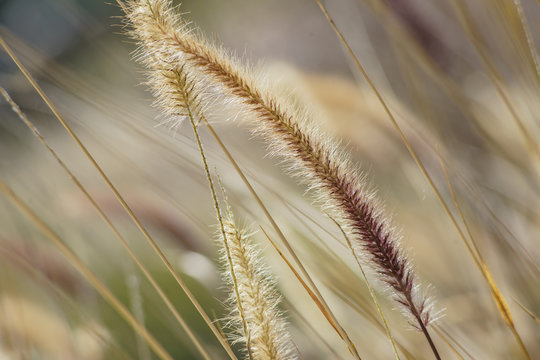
(442, 74)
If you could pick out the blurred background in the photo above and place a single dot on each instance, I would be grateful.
(462, 79)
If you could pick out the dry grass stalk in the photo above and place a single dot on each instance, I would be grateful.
(104, 291)
(106, 219)
(119, 197)
(313, 157)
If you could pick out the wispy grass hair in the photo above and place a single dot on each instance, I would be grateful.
(267, 337)
(313, 157)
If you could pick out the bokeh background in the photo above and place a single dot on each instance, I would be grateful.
(442, 73)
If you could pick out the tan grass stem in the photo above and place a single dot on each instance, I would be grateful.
(109, 223)
(310, 292)
(398, 128)
(256, 303)
(370, 288)
(185, 98)
(447, 342)
(65, 299)
(316, 159)
(85, 271)
(312, 288)
(500, 301)
(496, 78)
(120, 199)
(529, 312)
(446, 83)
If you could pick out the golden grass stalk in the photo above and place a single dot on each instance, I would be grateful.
(496, 77)
(370, 288)
(528, 312)
(109, 223)
(119, 197)
(500, 301)
(313, 156)
(498, 297)
(85, 271)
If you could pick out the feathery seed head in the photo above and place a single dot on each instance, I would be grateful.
(314, 158)
(267, 337)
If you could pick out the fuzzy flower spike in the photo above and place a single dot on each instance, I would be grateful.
(267, 337)
(313, 157)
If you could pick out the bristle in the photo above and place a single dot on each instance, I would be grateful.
(267, 338)
(313, 157)
(256, 317)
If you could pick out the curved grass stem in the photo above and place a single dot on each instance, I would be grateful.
(86, 272)
(120, 198)
(401, 134)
